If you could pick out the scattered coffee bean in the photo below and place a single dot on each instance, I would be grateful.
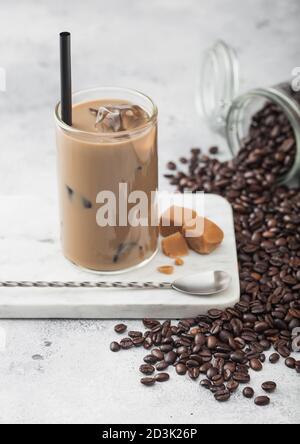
(262, 401)
(262, 358)
(194, 373)
(256, 365)
(162, 377)
(222, 395)
(242, 378)
(150, 359)
(212, 372)
(148, 381)
(248, 392)
(120, 328)
(138, 342)
(232, 386)
(290, 363)
(158, 354)
(181, 369)
(115, 347)
(274, 358)
(126, 343)
(162, 365)
(170, 357)
(147, 369)
(269, 386)
(214, 150)
(205, 383)
(171, 166)
(135, 334)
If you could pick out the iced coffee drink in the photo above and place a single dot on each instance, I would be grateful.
(110, 148)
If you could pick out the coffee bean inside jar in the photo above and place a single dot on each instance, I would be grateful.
(265, 119)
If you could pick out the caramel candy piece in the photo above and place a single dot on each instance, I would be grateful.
(179, 261)
(203, 236)
(173, 220)
(166, 269)
(175, 245)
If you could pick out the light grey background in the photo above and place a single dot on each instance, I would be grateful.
(154, 47)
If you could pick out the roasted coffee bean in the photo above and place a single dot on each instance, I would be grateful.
(205, 383)
(181, 369)
(158, 354)
(274, 358)
(269, 386)
(197, 358)
(165, 348)
(138, 342)
(256, 365)
(222, 396)
(194, 373)
(148, 343)
(212, 342)
(217, 380)
(162, 377)
(171, 166)
(242, 378)
(297, 365)
(266, 345)
(214, 150)
(215, 314)
(115, 347)
(205, 367)
(148, 381)
(147, 369)
(181, 350)
(206, 355)
(290, 363)
(126, 343)
(214, 389)
(162, 365)
(212, 372)
(248, 392)
(262, 358)
(170, 357)
(284, 351)
(238, 357)
(231, 366)
(190, 363)
(150, 323)
(135, 334)
(232, 386)
(200, 339)
(150, 359)
(262, 401)
(227, 375)
(120, 328)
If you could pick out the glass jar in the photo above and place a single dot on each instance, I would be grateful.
(230, 114)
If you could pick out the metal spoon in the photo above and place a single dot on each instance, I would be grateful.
(202, 284)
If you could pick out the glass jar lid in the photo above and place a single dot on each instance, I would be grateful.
(218, 84)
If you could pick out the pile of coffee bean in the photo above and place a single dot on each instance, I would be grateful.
(224, 346)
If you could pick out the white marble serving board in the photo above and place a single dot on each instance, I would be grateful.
(30, 250)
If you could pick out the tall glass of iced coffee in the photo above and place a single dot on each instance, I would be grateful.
(108, 156)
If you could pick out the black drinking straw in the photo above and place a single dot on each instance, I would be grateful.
(65, 78)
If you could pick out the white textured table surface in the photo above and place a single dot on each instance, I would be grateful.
(62, 371)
